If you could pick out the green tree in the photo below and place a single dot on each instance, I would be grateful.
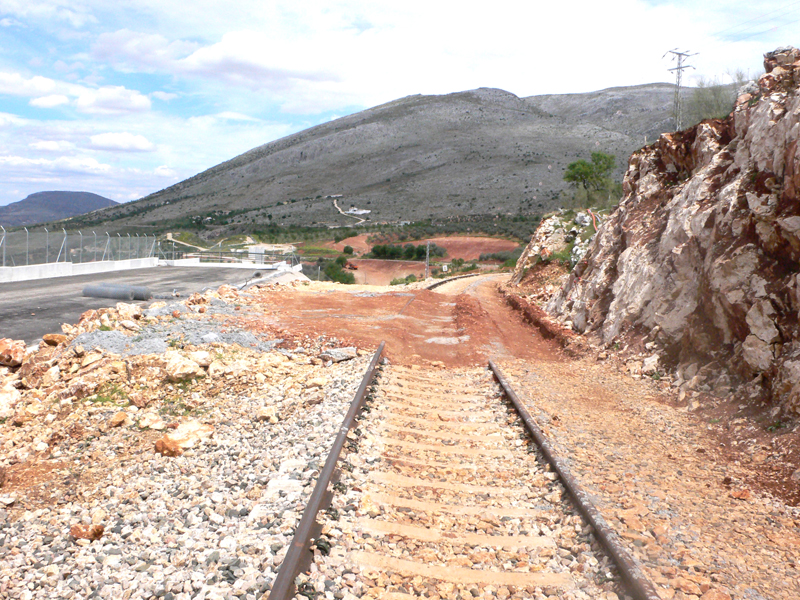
(590, 175)
(335, 272)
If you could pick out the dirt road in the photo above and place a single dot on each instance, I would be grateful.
(461, 324)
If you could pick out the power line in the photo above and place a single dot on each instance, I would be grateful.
(772, 29)
(754, 20)
(678, 104)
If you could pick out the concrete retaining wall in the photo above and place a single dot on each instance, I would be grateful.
(181, 262)
(27, 273)
(195, 262)
(9, 274)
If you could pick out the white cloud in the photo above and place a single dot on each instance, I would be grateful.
(9, 119)
(52, 146)
(327, 55)
(245, 58)
(234, 116)
(221, 118)
(165, 96)
(165, 171)
(49, 101)
(69, 164)
(111, 100)
(47, 93)
(122, 142)
(74, 13)
(15, 84)
(135, 51)
(253, 60)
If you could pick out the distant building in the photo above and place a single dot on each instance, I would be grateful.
(358, 211)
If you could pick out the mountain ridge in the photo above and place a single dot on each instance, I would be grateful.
(42, 207)
(476, 152)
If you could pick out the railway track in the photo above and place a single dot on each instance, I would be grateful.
(443, 493)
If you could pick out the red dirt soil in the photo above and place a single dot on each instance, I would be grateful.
(466, 247)
(372, 271)
(471, 248)
(462, 329)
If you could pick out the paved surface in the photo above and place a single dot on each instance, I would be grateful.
(30, 309)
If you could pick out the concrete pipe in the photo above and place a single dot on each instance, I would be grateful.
(140, 292)
(105, 291)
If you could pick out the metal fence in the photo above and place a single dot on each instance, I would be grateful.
(40, 245)
(238, 256)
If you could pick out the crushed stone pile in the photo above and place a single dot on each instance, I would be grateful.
(163, 452)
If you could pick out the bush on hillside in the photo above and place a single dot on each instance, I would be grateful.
(407, 252)
(335, 272)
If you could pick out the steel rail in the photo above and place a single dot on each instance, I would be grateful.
(449, 279)
(638, 585)
(299, 556)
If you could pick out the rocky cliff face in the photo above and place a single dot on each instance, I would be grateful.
(702, 255)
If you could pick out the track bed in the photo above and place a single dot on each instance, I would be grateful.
(442, 496)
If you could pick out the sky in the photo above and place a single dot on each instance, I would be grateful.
(124, 99)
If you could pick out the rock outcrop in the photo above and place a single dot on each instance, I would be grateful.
(702, 255)
(566, 233)
(12, 352)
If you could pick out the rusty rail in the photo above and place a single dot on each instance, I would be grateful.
(298, 557)
(638, 585)
(449, 279)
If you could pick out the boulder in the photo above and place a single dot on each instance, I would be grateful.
(201, 357)
(267, 413)
(12, 352)
(129, 325)
(339, 354)
(148, 419)
(317, 382)
(168, 447)
(270, 360)
(119, 419)
(51, 376)
(186, 435)
(650, 365)
(180, 368)
(27, 413)
(54, 339)
(129, 311)
(90, 358)
(86, 532)
(216, 368)
(238, 368)
(227, 291)
(715, 594)
(9, 397)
